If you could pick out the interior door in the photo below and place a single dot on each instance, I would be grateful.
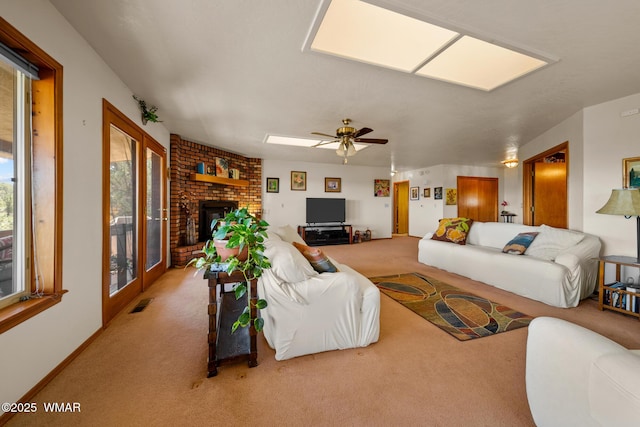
(550, 194)
(401, 205)
(545, 191)
(478, 198)
(134, 225)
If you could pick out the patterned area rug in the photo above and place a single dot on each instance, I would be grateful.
(460, 313)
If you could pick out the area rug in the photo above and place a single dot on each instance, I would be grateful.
(460, 313)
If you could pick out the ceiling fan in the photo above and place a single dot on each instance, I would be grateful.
(346, 136)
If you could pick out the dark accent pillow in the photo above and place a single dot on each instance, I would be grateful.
(519, 244)
(453, 230)
(318, 260)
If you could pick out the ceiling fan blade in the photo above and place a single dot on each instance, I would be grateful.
(371, 140)
(324, 134)
(362, 131)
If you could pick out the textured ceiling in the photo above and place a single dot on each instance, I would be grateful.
(226, 73)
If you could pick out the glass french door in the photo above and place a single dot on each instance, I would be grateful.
(134, 230)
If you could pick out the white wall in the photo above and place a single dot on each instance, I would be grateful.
(424, 214)
(34, 348)
(364, 210)
(609, 138)
(570, 130)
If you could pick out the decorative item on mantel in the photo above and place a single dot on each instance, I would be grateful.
(188, 206)
(148, 113)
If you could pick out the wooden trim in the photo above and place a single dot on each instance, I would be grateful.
(219, 180)
(527, 180)
(47, 168)
(113, 305)
(17, 313)
(28, 396)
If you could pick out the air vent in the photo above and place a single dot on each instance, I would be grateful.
(141, 305)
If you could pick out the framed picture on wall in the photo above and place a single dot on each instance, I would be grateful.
(452, 196)
(332, 185)
(631, 172)
(414, 193)
(298, 181)
(437, 193)
(273, 185)
(426, 193)
(381, 187)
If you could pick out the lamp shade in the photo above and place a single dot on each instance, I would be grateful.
(623, 201)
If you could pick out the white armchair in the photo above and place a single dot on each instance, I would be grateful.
(309, 312)
(576, 377)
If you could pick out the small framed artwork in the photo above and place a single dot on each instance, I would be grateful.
(332, 185)
(414, 193)
(273, 185)
(631, 172)
(426, 193)
(298, 181)
(452, 196)
(437, 193)
(381, 187)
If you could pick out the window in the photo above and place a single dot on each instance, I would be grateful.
(30, 181)
(15, 148)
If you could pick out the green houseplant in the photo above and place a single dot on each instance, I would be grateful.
(243, 233)
(148, 112)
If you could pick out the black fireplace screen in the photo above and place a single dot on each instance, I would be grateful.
(210, 210)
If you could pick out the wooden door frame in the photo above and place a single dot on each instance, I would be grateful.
(527, 180)
(110, 114)
(148, 277)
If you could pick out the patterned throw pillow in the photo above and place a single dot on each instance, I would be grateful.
(318, 260)
(453, 230)
(520, 243)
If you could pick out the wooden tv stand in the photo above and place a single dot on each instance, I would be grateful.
(319, 235)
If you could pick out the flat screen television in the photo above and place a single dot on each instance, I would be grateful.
(325, 210)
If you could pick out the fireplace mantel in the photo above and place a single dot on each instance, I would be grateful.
(219, 180)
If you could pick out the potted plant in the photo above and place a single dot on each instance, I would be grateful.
(244, 233)
(148, 113)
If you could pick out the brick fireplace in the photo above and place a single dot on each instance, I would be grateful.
(185, 156)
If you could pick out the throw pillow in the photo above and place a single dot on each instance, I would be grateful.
(551, 241)
(520, 243)
(318, 260)
(453, 230)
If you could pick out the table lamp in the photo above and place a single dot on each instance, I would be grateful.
(625, 201)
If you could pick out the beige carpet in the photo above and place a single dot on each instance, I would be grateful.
(149, 368)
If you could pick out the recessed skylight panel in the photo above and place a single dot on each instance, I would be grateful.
(371, 34)
(479, 64)
(367, 33)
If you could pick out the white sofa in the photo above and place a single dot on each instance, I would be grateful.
(576, 377)
(310, 312)
(562, 272)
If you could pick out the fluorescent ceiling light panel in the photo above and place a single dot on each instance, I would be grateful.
(306, 142)
(371, 34)
(367, 33)
(479, 64)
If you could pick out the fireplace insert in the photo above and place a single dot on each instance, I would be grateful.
(210, 210)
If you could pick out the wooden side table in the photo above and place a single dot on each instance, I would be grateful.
(225, 346)
(610, 304)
